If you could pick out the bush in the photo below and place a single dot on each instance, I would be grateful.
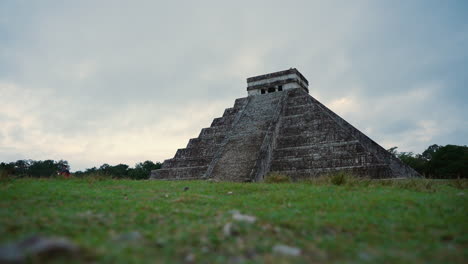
(276, 177)
(338, 178)
(4, 174)
(97, 176)
(459, 183)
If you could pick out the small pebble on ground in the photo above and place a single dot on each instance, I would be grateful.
(45, 248)
(286, 250)
(243, 218)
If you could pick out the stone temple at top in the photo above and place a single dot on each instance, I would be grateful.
(280, 128)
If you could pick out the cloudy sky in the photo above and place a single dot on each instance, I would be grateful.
(96, 82)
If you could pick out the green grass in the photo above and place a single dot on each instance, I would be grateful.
(411, 221)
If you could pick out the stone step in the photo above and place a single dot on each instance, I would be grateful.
(185, 173)
(296, 110)
(204, 151)
(214, 131)
(187, 162)
(303, 107)
(374, 171)
(230, 111)
(238, 159)
(223, 121)
(313, 126)
(239, 156)
(206, 140)
(322, 161)
(240, 103)
(304, 119)
(308, 138)
(321, 147)
(296, 92)
(299, 100)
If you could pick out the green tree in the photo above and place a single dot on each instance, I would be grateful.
(62, 165)
(143, 170)
(7, 168)
(44, 168)
(429, 152)
(416, 162)
(449, 161)
(22, 167)
(393, 151)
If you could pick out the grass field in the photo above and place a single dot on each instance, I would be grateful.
(124, 221)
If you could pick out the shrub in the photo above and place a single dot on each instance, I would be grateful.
(4, 174)
(459, 183)
(276, 177)
(338, 178)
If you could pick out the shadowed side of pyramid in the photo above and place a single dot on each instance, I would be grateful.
(312, 140)
(279, 127)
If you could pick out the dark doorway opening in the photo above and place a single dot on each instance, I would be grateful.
(271, 90)
(263, 91)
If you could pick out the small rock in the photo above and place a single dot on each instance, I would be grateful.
(234, 212)
(160, 242)
(244, 218)
(11, 254)
(190, 258)
(229, 193)
(460, 193)
(186, 189)
(45, 248)
(286, 250)
(129, 237)
(227, 229)
(364, 256)
(49, 246)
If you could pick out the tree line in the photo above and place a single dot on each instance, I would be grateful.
(51, 168)
(441, 162)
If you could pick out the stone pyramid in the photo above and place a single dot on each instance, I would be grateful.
(279, 127)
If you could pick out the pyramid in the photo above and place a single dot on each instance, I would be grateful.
(280, 128)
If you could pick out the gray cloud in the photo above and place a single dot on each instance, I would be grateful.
(120, 81)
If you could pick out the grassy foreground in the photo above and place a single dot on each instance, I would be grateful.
(124, 221)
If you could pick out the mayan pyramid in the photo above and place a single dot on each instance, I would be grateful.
(279, 127)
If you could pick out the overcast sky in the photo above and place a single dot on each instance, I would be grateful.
(96, 82)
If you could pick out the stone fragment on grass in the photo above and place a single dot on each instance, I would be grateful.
(44, 248)
(227, 229)
(129, 237)
(229, 193)
(286, 250)
(11, 254)
(230, 229)
(190, 258)
(44, 245)
(244, 218)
